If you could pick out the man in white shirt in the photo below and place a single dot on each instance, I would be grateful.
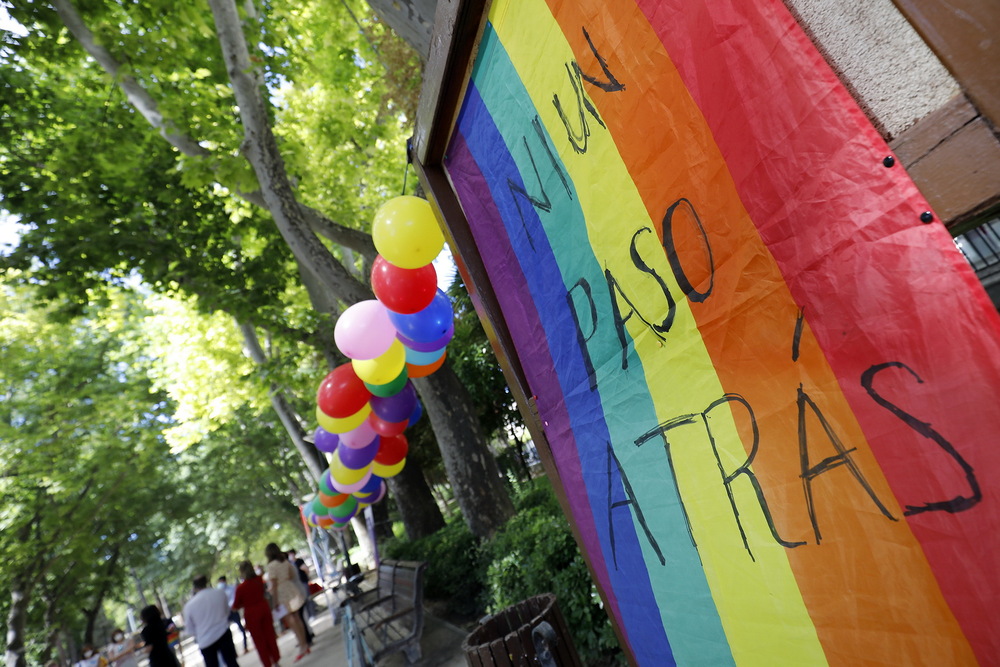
(206, 618)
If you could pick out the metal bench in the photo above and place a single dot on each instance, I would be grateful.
(388, 618)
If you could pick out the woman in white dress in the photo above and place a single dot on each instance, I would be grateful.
(283, 582)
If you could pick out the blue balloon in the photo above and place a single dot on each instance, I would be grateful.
(436, 344)
(371, 487)
(423, 358)
(429, 324)
(418, 412)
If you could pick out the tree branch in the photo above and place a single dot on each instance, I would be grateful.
(148, 108)
(261, 148)
(289, 419)
(136, 94)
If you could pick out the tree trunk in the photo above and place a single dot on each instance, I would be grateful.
(412, 20)
(383, 524)
(289, 419)
(364, 538)
(91, 617)
(472, 470)
(20, 593)
(140, 591)
(417, 508)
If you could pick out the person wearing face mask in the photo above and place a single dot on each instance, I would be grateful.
(234, 616)
(121, 651)
(91, 658)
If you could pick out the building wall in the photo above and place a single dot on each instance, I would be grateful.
(894, 75)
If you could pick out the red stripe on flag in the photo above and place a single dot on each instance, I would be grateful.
(902, 319)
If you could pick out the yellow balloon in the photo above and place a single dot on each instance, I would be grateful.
(406, 232)
(342, 473)
(384, 471)
(343, 424)
(384, 368)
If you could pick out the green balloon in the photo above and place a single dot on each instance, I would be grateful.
(318, 508)
(390, 388)
(345, 508)
(326, 484)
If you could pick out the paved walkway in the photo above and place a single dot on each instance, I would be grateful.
(441, 646)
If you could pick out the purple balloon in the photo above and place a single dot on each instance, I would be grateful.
(419, 346)
(358, 458)
(395, 408)
(415, 416)
(325, 441)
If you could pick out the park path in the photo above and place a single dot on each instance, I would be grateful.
(441, 645)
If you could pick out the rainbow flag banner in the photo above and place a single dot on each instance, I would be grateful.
(768, 386)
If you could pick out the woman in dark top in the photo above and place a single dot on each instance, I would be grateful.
(257, 614)
(154, 635)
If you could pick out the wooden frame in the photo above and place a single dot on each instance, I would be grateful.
(953, 154)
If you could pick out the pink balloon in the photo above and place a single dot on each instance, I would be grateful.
(351, 488)
(358, 437)
(364, 330)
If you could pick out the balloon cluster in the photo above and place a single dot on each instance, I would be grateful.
(364, 406)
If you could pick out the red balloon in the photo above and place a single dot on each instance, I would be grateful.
(392, 451)
(342, 393)
(403, 291)
(386, 428)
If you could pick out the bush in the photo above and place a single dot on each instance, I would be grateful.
(533, 553)
(455, 572)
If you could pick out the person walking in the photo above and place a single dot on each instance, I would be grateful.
(305, 611)
(286, 591)
(154, 636)
(234, 616)
(250, 597)
(206, 617)
(122, 650)
(91, 657)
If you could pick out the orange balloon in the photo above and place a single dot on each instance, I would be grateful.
(424, 371)
(332, 501)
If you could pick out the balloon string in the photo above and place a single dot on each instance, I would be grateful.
(409, 161)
